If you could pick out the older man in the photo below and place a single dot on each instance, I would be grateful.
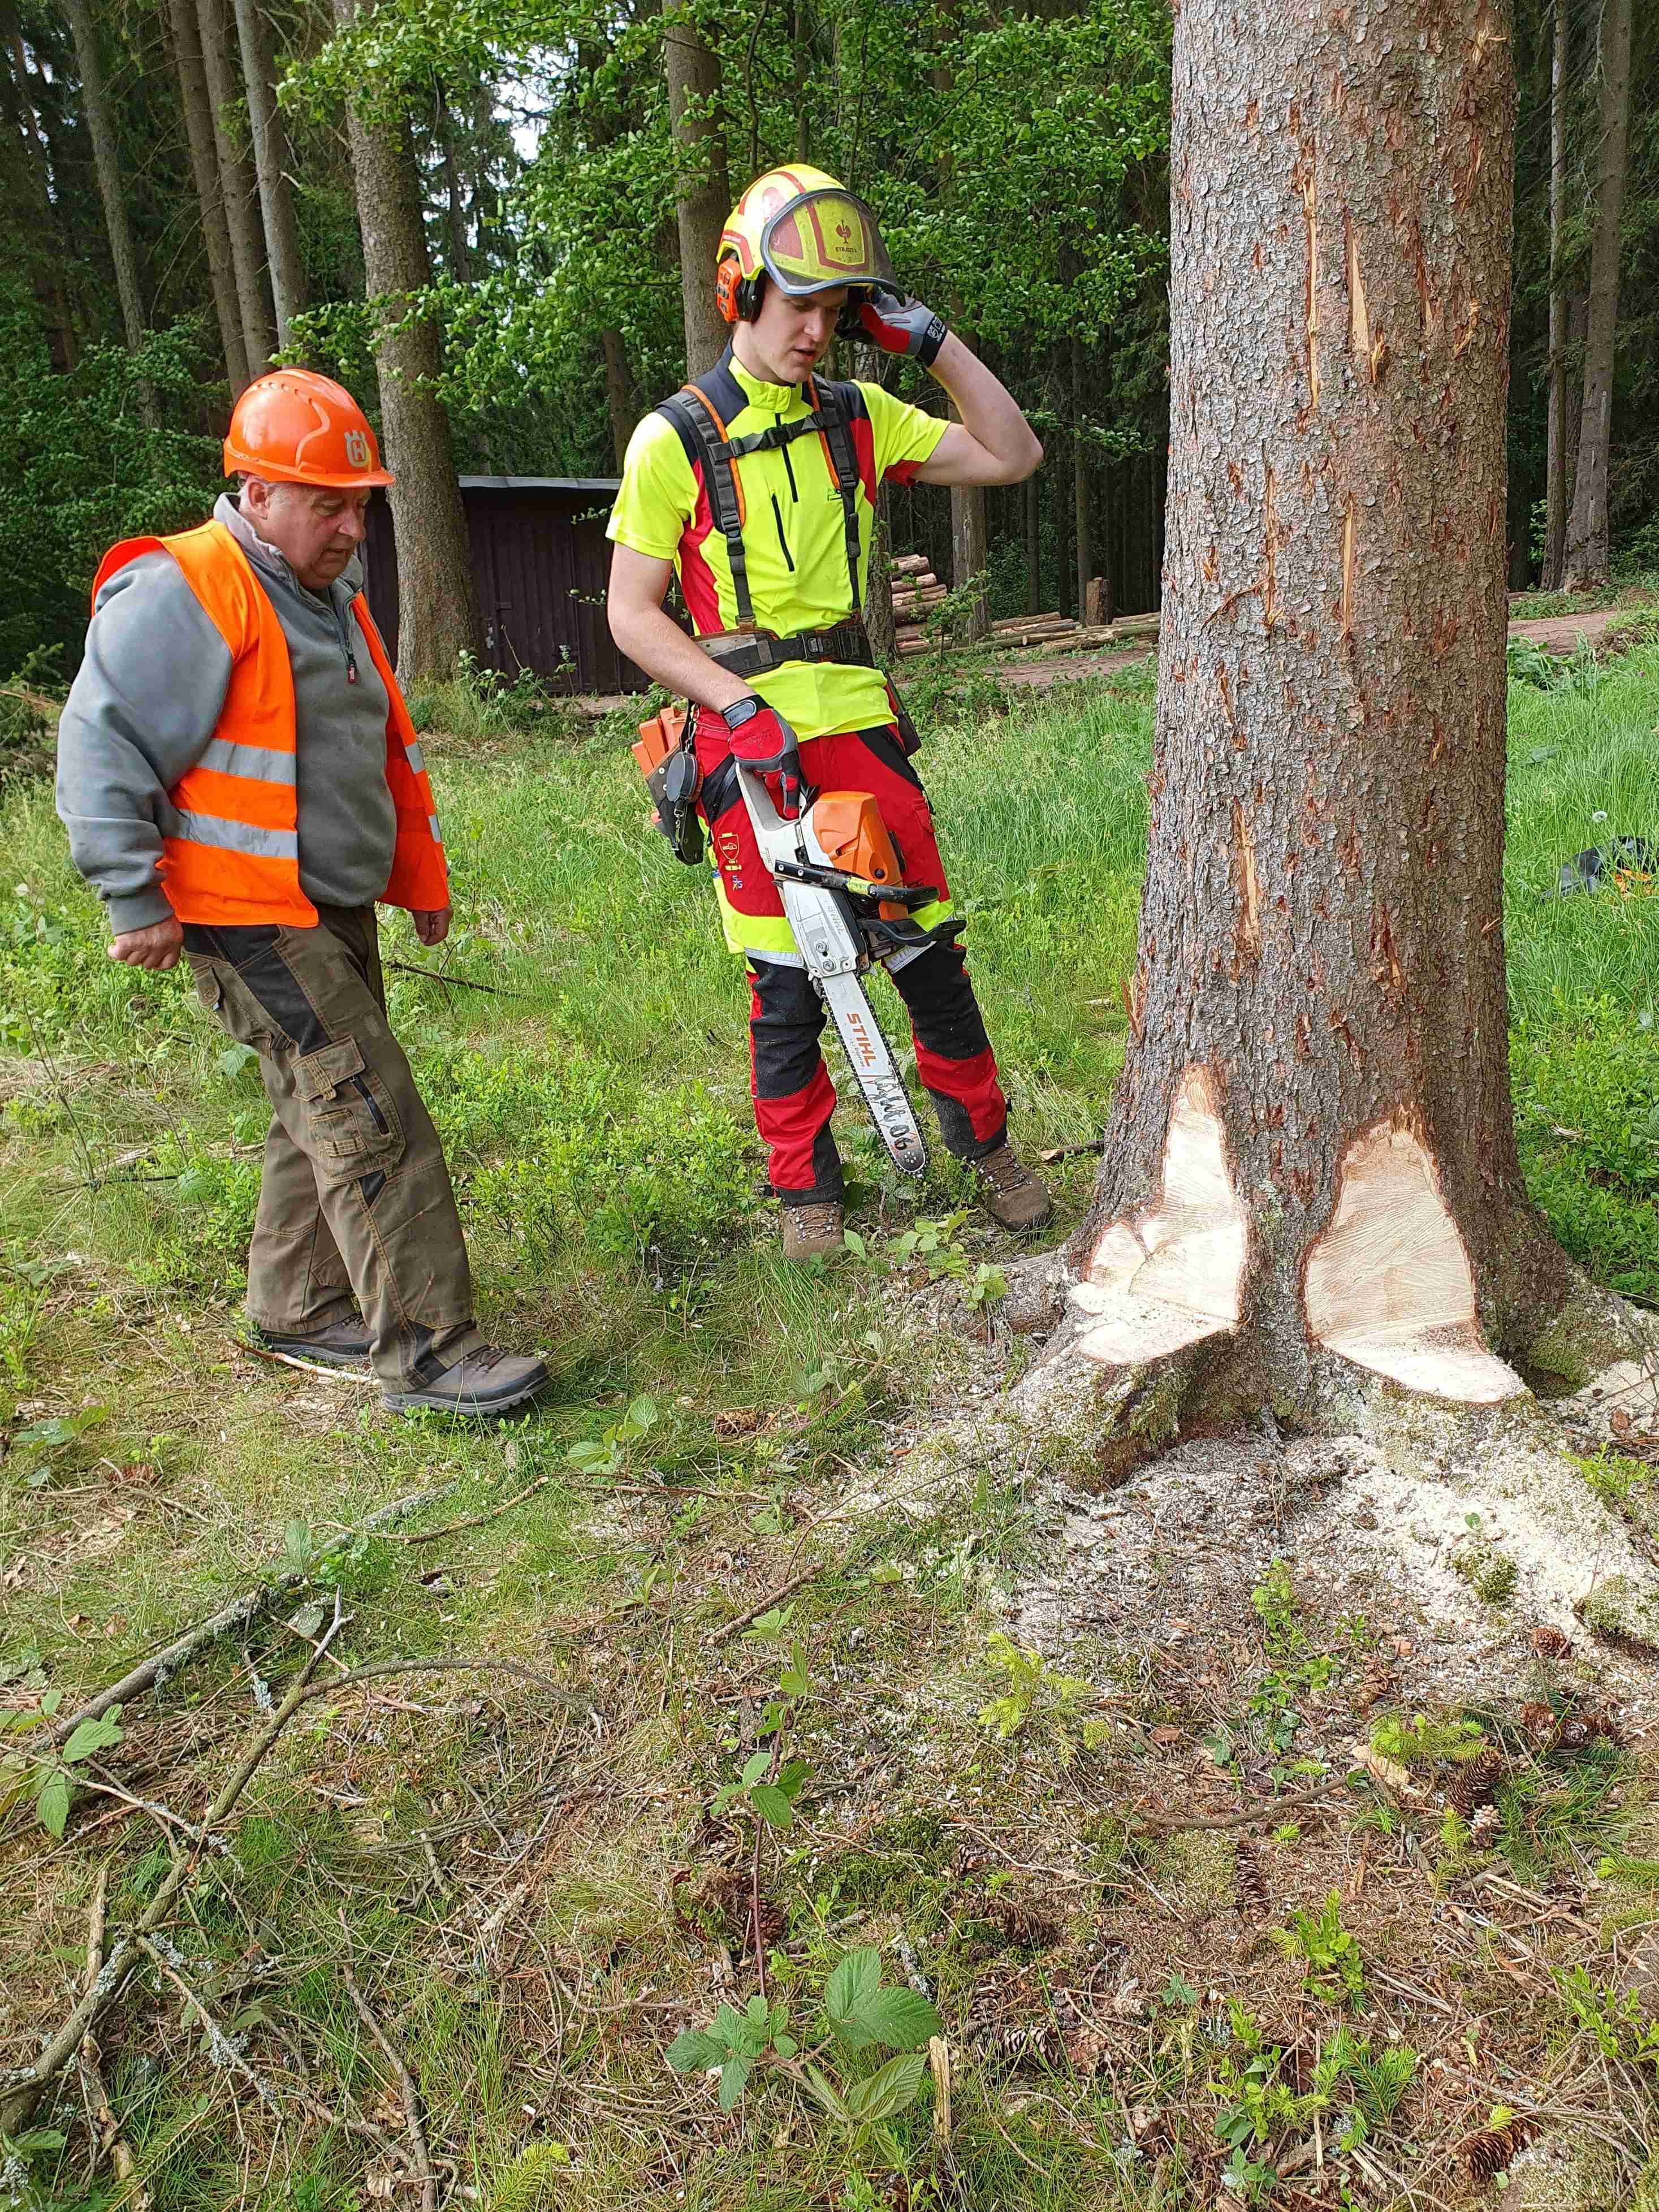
(241, 783)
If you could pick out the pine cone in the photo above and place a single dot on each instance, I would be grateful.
(1475, 1781)
(1599, 1721)
(1549, 1643)
(1250, 1882)
(1483, 1829)
(1486, 2155)
(1539, 1720)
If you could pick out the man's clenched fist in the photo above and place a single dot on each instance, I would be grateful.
(156, 947)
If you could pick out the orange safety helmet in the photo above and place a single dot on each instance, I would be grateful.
(802, 229)
(295, 427)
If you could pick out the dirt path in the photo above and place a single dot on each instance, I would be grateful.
(1560, 634)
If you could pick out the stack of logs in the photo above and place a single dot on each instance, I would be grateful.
(917, 591)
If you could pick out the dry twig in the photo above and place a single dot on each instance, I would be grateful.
(420, 2157)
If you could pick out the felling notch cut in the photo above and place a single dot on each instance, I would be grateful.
(1172, 1274)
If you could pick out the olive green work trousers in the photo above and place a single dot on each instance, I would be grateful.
(356, 1197)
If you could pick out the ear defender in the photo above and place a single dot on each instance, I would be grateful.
(736, 296)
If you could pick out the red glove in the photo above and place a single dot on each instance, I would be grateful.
(899, 325)
(763, 740)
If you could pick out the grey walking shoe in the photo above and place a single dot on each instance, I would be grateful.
(811, 1232)
(341, 1344)
(486, 1382)
(1009, 1192)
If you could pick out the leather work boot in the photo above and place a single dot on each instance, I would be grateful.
(341, 1344)
(811, 1231)
(486, 1382)
(1009, 1192)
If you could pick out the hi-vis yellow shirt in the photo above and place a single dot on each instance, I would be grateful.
(794, 538)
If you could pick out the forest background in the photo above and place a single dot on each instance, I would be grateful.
(502, 215)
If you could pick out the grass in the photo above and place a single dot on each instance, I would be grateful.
(535, 1902)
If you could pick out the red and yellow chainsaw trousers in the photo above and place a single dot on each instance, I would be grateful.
(792, 1093)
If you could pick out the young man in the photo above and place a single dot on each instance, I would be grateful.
(241, 782)
(758, 486)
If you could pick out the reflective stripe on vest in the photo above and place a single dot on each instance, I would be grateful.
(230, 828)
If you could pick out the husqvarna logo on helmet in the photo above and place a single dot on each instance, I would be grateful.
(356, 449)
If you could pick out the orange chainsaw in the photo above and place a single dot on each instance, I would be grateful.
(842, 887)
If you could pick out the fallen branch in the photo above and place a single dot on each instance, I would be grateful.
(452, 982)
(773, 1597)
(1245, 1818)
(241, 1613)
(420, 2157)
(20, 2092)
(355, 1377)
(108, 2135)
(1071, 1151)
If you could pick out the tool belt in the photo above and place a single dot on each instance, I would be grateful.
(750, 653)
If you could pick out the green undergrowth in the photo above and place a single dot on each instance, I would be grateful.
(541, 1883)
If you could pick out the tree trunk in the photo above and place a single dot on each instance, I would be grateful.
(703, 196)
(1312, 1165)
(1080, 484)
(1555, 524)
(1033, 545)
(802, 74)
(210, 197)
(967, 556)
(271, 163)
(455, 237)
(49, 290)
(100, 129)
(240, 193)
(1588, 553)
(1577, 326)
(437, 618)
(619, 394)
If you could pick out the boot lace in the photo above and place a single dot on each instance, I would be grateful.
(1006, 1171)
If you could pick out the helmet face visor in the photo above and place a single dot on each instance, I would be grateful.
(823, 239)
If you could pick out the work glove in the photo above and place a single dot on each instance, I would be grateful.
(764, 741)
(882, 316)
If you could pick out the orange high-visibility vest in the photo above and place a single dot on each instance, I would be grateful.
(230, 846)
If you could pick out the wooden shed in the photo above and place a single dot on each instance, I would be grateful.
(540, 560)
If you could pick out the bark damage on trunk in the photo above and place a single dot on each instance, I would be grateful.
(1311, 1156)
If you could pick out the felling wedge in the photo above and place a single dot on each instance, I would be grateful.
(1171, 1276)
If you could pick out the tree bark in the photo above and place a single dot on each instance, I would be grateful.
(619, 394)
(454, 199)
(1555, 524)
(209, 197)
(100, 129)
(702, 193)
(437, 617)
(1312, 1165)
(270, 163)
(48, 279)
(239, 191)
(1588, 551)
(1080, 483)
(1033, 545)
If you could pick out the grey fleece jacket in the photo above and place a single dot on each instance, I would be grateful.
(144, 706)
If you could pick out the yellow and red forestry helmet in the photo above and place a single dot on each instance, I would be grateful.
(804, 231)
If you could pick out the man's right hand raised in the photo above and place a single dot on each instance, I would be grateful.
(157, 947)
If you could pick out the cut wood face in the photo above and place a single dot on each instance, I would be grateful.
(1388, 1284)
(1172, 1274)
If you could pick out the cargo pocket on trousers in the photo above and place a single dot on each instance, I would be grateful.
(352, 1131)
(209, 988)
